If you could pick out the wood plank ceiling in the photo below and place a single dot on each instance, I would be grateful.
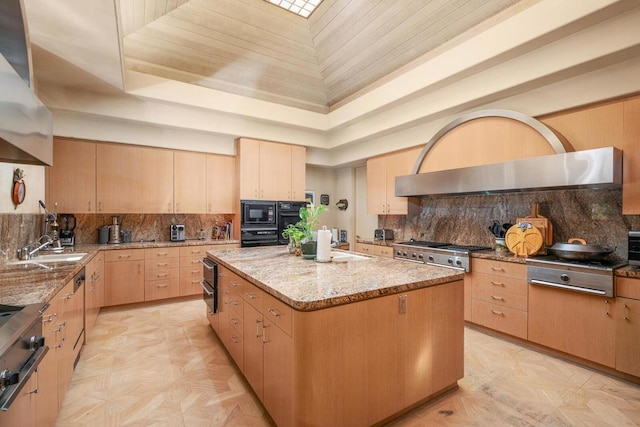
(255, 49)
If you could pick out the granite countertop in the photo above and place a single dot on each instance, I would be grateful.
(308, 285)
(22, 284)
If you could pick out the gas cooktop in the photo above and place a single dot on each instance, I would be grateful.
(443, 245)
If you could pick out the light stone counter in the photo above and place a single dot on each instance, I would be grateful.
(309, 285)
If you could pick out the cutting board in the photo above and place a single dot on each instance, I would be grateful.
(524, 242)
(540, 222)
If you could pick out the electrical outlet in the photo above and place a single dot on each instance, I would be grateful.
(402, 304)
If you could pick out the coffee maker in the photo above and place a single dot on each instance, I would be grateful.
(115, 231)
(67, 225)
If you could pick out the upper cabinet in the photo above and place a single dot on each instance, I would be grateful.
(72, 179)
(189, 182)
(270, 171)
(133, 179)
(381, 184)
(631, 157)
(221, 184)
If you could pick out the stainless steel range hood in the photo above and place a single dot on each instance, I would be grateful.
(597, 168)
(26, 125)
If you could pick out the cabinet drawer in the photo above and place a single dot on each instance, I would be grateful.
(193, 272)
(236, 322)
(627, 288)
(162, 274)
(235, 302)
(254, 296)
(236, 348)
(191, 261)
(384, 251)
(161, 289)
(499, 297)
(161, 263)
(499, 268)
(124, 255)
(236, 284)
(503, 319)
(194, 251)
(158, 253)
(278, 312)
(190, 285)
(500, 283)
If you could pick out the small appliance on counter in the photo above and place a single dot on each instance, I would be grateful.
(177, 232)
(634, 248)
(67, 225)
(383, 234)
(114, 237)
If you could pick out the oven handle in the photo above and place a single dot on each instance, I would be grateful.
(445, 266)
(205, 288)
(207, 266)
(12, 392)
(570, 288)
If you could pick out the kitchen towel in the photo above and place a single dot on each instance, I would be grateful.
(323, 253)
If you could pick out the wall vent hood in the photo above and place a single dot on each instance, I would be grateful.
(597, 168)
(26, 125)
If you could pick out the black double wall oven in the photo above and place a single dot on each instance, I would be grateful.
(262, 221)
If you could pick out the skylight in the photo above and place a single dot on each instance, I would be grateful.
(299, 7)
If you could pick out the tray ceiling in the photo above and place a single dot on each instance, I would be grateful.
(255, 49)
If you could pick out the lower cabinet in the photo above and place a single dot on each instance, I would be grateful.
(575, 323)
(371, 249)
(94, 291)
(124, 276)
(627, 320)
(499, 296)
(22, 412)
(191, 269)
(161, 273)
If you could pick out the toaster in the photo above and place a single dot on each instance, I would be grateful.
(177, 232)
(383, 234)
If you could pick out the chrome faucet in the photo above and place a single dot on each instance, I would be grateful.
(26, 252)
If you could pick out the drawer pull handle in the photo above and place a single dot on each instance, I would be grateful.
(162, 274)
(497, 268)
(162, 264)
(498, 313)
(626, 307)
(124, 256)
(251, 295)
(234, 321)
(498, 284)
(234, 302)
(235, 340)
(195, 271)
(234, 283)
(497, 298)
(274, 312)
(164, 285)
(163, 253)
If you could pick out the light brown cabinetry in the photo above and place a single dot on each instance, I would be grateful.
(221, 184)
(631, 158)
(124, 276)
(575, 323)
(627, 319)
(270, 170)
(499, 296)
(133, 179)
(191, 269)
(94, 291)
(23, 410)
(71, 182)
(47, 403)
(381, 185)
(161, 273)
(371, 249)
(189, 182)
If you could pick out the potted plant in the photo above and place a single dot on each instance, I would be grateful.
(309, 217)
(295, 236)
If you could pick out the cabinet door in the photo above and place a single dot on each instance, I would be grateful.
(578, 324)
(298, 172)
(253, 349)
(72, 178)
(376, 186)
(278, 374)
(249, 168)
(221, 184)
(627, 335)
(22, 411)
(124, 282)
(189, 182)
(94, 292)
(398, 164)
(275, 171)
(155, 187)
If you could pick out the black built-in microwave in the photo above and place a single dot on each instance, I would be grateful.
(258, 213)
(634, 248)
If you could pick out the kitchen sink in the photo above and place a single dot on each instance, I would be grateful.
(50, 258)
(347, 256)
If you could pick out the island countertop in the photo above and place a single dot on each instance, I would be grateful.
(308, 285)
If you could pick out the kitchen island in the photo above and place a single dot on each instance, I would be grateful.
(355, 342)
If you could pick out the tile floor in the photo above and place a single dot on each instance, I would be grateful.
(162, 365)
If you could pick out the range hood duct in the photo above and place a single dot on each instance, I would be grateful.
(26, 125)
(597, 168)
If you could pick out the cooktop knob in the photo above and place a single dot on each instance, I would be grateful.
(414, 255)
(420, 256)
(458, 262)
(431, 258)
(404, 253)
(450, 261)
(564, 278)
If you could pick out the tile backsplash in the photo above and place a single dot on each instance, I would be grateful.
(594, 215)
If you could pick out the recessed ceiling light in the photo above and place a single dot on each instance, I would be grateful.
(303, 8)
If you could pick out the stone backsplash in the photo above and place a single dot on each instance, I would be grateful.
(594, 215)
(20, 229)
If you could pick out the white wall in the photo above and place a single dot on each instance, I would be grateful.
(323, 181)
(34, 182)
(365, 223)
(345, 189)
